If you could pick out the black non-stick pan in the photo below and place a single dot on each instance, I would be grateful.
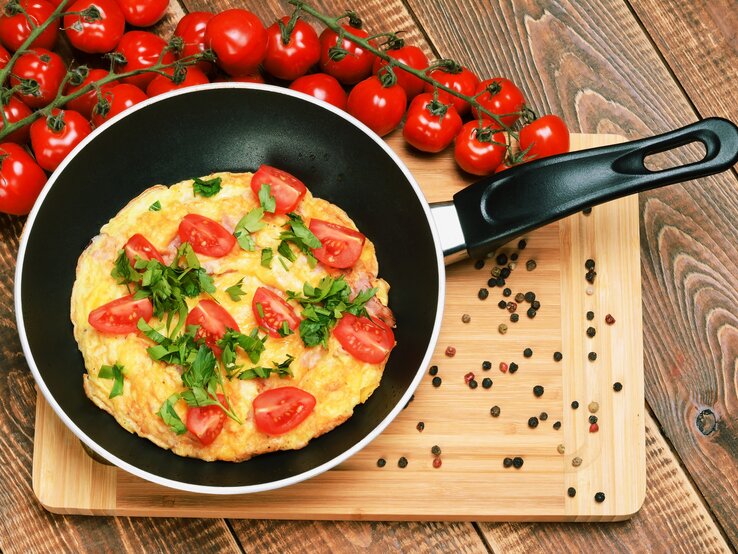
(237, 127)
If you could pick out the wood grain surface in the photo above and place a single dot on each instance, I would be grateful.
(596, 64)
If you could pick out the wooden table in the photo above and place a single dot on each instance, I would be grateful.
(634, 67)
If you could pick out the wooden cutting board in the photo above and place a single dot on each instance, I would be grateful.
(472, 483)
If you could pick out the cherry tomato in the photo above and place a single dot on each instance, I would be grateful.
(250, 78)
(143, 13)
(506, 164)
(302, 51)
(341, 246)
(191, 29)
(15, 29)
(238, 39)
(95, 37)
(355, 66)
(52, 139)
(120, 97)
(323, 87)
(277, 411)
(379, 107)
(463, 81)
(367, 340)
(142, 49)
(15, 110)
(86, 103)
(501, 97)
(286, 189)
(479, 157)
(206, 422)
(21, 179)
(430, 126)
(44, 67)
(546, 136)
(120, 316)
(214, 320)
(4, 57)
(139, 246)
(409, 55)
(206, 236)
(161, 84)
(271, 311)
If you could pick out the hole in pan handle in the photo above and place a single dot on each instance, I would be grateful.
(498, 208)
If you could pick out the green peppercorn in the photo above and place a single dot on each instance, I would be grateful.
(495, 272)
(530, 265)
(502, 328)
(465, 318)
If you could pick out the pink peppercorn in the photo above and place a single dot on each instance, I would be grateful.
(609, 319)
(437, 462)
(511, 307)
(593, 428)
(503, 367)
(468, 377)
(450, 351)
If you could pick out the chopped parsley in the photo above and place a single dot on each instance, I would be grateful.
(282, 369)
(250, 223)
(298, 234)
(169, 415)
(266, 199)
(285, 251)
(266, 257)
(155, 207)
(235, 291)
(324, 305)
(252, 345)
(208, 188)
(284, 330)
(115, 372)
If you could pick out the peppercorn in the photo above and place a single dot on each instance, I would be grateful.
(507, 462)
(561, 449)
(531, 313)
(514, 318)
(514, 256)
(617, 387)
(381, 462)
(450, 351)
(609, 319)
(538, 390)
(590, 316)
(558, 356)
(437, 381)
(589, 264)
(592, 419)
(593, 407)
(591, 332)
(533, 422)
(486, 365)
(501, 259)
(543, 416)
(502, 328)
(505, 273)
(530, 265)
(519, 297)
(592, 356)
(500, 282)
(527, 352)
(506, 292)
(511, 307)
(468, 377)
(436, 450)
(420, 426)
(433, 370)
(522, 244)
(513, 367)
(575, 405)
(512, 265)
(557, 425)
(600, 497)
(587, 211)
(503, 367)
(437, 462)
(576, 461)
(517, 462)
(590, 276)
(479, 264)
(473, 384)
(402, 462)
(593, 428)
(494, 411)
(465, 318)
(483, 294)
(502, 304)
(486, 382)
(530, 296)
(536, 305)
(491, 282)
(495, 272)
(571, 491)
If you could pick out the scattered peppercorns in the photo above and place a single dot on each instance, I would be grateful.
(522, 244)
(494, 411)
(527, 352)
(492, 282)
(503, 367)
(501, 259)
(617, 387)
(576, 461)
(592, 419)
(420, 426)
(513, 265)
(589, 264)
(450, 351)
(530, 296)
(590, 316)
(533, 422)
(536, 305)
(483, 294)
(517, 462)
(381, 462)
(500, 281)
(514, 256)
(593, 407)
(502, 328)
(506, 292)
(511, 306)
(592, 356)
(593, 428)
(591, 332)
(557, 425)
(538, 390)
(495, 272)
(514, 318)
(590, 276)
(507, 462)
(436, 450)
(519, 297)
(575, 405)
(543, 416)
(466, 318)
(402, 462)
(486, 365)
(473, 384)
(486, 382)
(513, 367)
(437, 462)
(600, 497)
(479, 264)
(468, 377)
(433, 370)
(558, 356)
(571, 491)
(505, 273)
(561, 449)
(609, 319)
(531, 313)
(436, 381)
(502, 304)
(530, 265)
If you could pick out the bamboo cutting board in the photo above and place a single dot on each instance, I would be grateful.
(472, 483)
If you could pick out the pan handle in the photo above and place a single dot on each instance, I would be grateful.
(496, 209)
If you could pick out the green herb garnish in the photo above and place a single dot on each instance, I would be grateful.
(169, 415)
(282, 369)
(155, 207)
(284, 330)
(266, 257)
(285, 251)
(298, 234)
(252, 345)
(266, 200)
(235, 291)
(208, 188)
(116, 372)
(250, 223)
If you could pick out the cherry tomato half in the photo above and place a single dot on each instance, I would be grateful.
(120, 316)
(323, 87)
(44, 67)
(286, 189)
(409, 55)
(546, 136)
(271, 311)
(138, 246)
(161, 84)
(120, 98)
(379, 107)
(86, 103)
(143, 13)
(214, 320)
(501, 97)
(302, 51)
(21, 179)
(206, 422)
(479, 157)
(463, 81)
(95, 37)
(277, 411)
(52, 139)
(430, 126)
(354, 66)
(238, 39)
(15, 29)
(191, 29)
(206, 236)
(142, 49)
(15, 110)
(341, 246)
(367, 340)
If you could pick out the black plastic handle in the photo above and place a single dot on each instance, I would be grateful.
(503, 206)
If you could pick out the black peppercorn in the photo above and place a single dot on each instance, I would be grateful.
(501, 259)
(592, 419)
(486, 382)
(402, 462)
(437, 381)
(505, 273)
(491, 282)
(483, 294)
(600, 497)
(589, 264)
(486, 365)
(527, 352)
(543, 416)
(479, 264)
(522, 244)
(531, 313)
(571, 491)
(517, 462)
(538, 390)
(591, 332)
(557, 425)
(590, 276)
(436, 450)
(502, 304)
(514, 318)
(575, 405)
(533, 422)
(494, 411)
(617, 387)
(513, 367)
(473, 384)
(536, 305)
(433, 370)
(500, 282)
(514, 256)
(420, 426)
(558, 356)
(592, 356)
(590, 316)
(506, 292)
(507, 462)
(530, 296)
(381, 462)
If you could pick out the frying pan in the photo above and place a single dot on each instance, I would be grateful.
(237, 127)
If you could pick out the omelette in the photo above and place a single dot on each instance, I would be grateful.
(231, 315)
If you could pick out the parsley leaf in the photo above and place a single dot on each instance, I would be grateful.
(266, 199)
(266, 257)
(252, 344)
(282, 369)
(235, 291)
(123, 272)
(285, 251)
(298, 234)
(208, 188)
(250, 223)
(155, 207)
(169, 415)
(116, 372)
